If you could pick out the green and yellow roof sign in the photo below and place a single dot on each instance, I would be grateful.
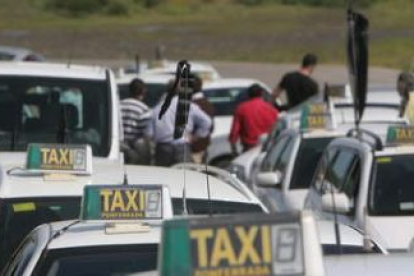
(132, 202)
(400, 135)
(315, 116)
(62, 158)
(242, 245)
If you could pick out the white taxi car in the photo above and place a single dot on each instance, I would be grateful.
(30, 196)
(58, 103)
(370, 185)
(118, 233)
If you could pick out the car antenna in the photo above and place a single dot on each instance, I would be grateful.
(335, 213)
(367, 245)
(137, 64)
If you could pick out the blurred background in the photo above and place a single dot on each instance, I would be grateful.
(273, 31)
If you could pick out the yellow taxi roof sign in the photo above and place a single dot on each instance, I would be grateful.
(316, 116)
(259, 244)
(127, 202)
(400, 135)
(59, 158)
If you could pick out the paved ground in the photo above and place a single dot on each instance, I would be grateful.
(271, 73)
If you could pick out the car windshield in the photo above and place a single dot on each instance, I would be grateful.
(308, 156)
(225, 100)
(52, 110)
(153, 96)
(100, 260)
(392, 187)
(20, 216)
(205, 207)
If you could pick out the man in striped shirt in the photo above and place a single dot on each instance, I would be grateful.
(135, 118)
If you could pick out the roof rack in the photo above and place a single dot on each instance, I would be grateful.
(364, 135)
(218, 173)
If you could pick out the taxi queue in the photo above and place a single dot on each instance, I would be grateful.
(129, 229)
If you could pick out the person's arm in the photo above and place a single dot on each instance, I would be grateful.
(234, 132)
(276, 92)
(202, 122)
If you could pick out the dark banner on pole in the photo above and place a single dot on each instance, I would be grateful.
(358, 60)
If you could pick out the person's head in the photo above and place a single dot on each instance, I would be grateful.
(137, 89)
(309, 62)
(405, 84)
(254, 91)
(197, 84)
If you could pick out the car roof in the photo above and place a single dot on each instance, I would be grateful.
(111, 172)
(232, 82)
(52, 70)
(88, 234)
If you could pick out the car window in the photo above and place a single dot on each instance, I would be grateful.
(392, 189)
(22, 257)
(52, 110)
(153, 96)
(321, 171)
(205, 207)
(225, 100)
(309, 153)
(114, 260)
(274, 153)
(338, 170)
(351, 184)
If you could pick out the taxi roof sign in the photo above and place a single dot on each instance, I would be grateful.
(316, 116)
(400, 135)
(128, 202)
(59, 158)
(259, 244)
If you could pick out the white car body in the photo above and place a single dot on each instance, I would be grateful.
(394, 231)
(80, 236)
(203, 69)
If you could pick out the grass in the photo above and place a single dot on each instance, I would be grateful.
(220, 30)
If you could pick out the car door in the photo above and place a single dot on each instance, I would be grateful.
(277, 159)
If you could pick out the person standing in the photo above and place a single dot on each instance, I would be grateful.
(170, 151)
(298, 85)
(252, 119)
(135, 119)
(405, 87)
(199, 145)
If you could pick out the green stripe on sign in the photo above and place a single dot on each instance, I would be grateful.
(174, 256)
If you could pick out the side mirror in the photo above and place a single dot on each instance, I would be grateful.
(269, 178)
(342, 204)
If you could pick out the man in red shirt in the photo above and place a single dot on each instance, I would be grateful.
(252, 119)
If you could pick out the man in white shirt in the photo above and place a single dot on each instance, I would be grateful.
(169, 151)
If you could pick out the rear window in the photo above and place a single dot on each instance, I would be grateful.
(99, 260)
(205, 207)
(225, 100)
(153, 96)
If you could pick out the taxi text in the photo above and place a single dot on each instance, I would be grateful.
(242, 251)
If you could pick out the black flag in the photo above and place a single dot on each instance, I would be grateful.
(183, 87)
(185, 92)
(358, 60)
